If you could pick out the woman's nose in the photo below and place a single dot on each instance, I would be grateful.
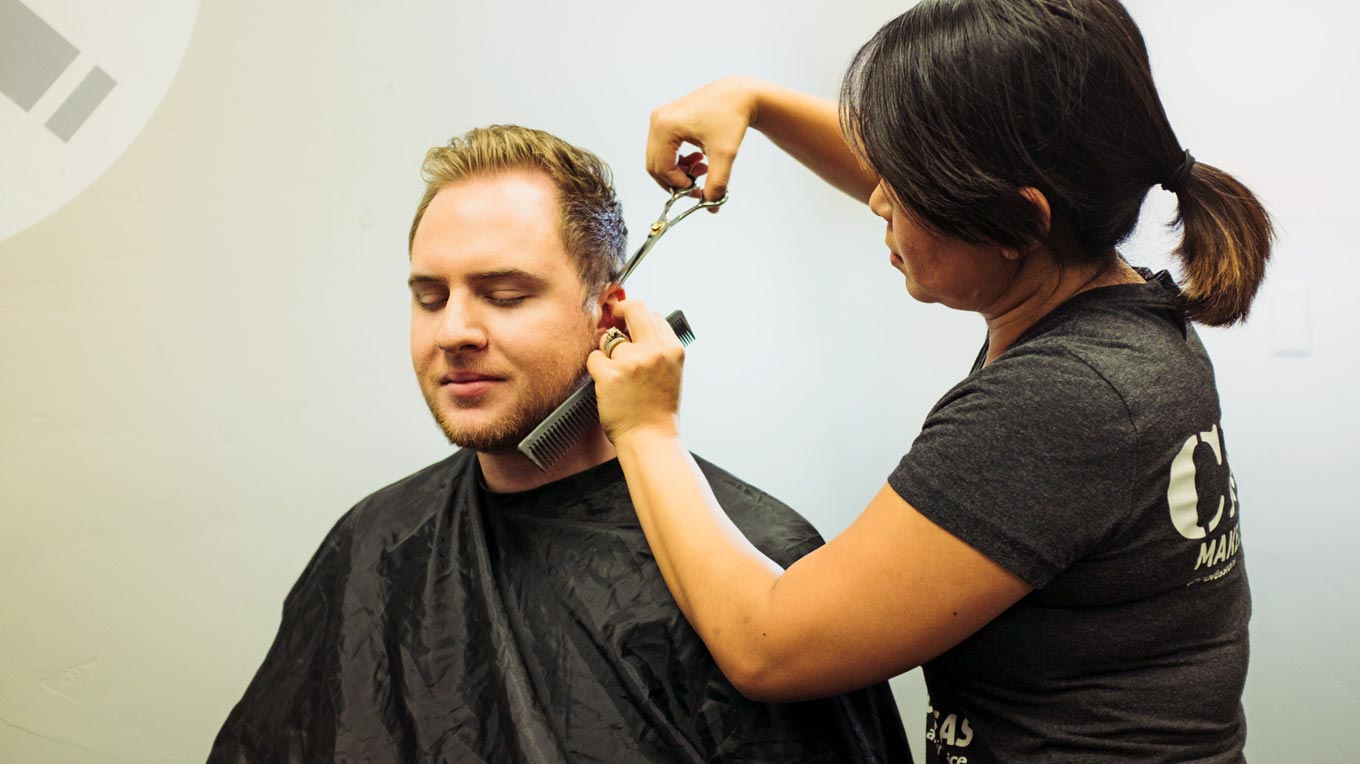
(879, 203)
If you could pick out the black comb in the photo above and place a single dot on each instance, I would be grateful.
(556, 434)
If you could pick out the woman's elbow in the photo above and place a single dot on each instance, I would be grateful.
(760, 685)
(762, 678)
(788, 677)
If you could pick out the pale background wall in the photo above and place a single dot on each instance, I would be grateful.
(204, 354)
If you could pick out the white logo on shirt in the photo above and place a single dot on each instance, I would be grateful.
(1202, 487)
(1202, 496)
(951, 732)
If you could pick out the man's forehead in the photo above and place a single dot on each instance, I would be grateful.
(492, 226)
(527, 192)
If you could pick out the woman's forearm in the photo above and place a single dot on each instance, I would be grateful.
(808, 129)
(722, 583)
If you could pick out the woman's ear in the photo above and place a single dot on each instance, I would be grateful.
(1042, 211)
(609, 298)
(1038, 204)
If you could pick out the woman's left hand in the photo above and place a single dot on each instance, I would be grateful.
(637, 386)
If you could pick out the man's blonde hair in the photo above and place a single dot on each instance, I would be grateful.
(590, 217)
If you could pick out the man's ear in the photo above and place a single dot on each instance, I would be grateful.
(609, 298)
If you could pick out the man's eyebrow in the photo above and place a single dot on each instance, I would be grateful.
(423, 279)
(503, 274)
(508, 274)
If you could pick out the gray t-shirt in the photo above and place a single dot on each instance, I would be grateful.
(1089, 460)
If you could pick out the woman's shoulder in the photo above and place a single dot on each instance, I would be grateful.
(1105, 372)
(1051, 380)
(1136, 325)
(1130, 338)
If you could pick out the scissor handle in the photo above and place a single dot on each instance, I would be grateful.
(663, 224)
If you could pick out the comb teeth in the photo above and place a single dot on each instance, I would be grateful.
(680, 325)
(560, 430)
(554, 436)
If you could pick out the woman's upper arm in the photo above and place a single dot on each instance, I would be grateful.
(890, 593)
(808, 129)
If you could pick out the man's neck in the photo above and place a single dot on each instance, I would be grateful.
(511, 472)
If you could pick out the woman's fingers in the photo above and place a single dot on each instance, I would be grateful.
(693, 166)
(597, 364)
(637, 381)
(644, 326)
(637, 320)
(719, 171)
(713, 118)
(663, 147)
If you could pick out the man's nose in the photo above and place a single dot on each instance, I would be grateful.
(460, 329)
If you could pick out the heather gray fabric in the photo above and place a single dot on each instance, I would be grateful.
(1089, 460)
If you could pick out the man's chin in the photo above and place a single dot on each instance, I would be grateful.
(500, 437)
(487, 440)
(503, 434)
(489, 447)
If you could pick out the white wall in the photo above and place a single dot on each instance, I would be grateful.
(205, 354)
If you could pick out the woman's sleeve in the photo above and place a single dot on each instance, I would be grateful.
(1029, 461)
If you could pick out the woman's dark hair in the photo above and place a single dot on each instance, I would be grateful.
(959, 104)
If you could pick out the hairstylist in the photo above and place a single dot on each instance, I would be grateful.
(1058, 548)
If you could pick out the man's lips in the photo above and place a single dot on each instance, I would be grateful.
(467, 376)
(467, 384)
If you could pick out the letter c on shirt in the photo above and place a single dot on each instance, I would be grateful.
(1183, 496)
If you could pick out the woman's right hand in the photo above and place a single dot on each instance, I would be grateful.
(714, 118)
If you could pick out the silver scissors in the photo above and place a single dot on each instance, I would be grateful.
(664, 224)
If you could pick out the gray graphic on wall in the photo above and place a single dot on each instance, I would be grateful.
(79, 81)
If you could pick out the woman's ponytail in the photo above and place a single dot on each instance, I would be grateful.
(1225, 242)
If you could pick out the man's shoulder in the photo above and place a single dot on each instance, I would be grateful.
(773, 526)
(411, 498)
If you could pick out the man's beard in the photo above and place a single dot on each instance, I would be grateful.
(505, 433)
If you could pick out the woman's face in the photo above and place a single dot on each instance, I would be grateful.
(940, 269)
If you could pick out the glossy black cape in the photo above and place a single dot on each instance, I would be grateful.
(441, 623)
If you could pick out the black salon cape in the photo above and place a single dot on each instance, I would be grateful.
(441, 623)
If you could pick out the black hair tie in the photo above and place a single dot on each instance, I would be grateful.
(1176, 182)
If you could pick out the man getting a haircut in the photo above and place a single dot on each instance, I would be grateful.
(482, 610)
